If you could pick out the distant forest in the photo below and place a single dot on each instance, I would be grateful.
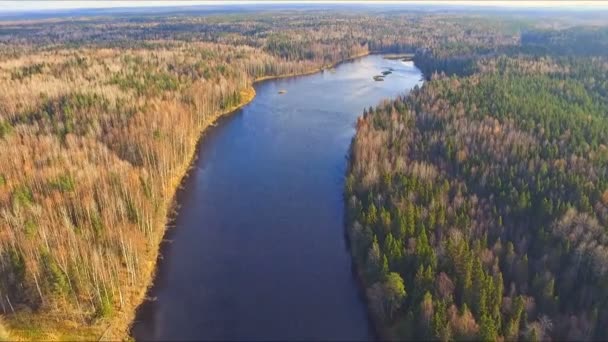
(477, 205)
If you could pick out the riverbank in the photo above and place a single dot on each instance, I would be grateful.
(314, 71)
(119, 328)
(52, 327)
(381, 330)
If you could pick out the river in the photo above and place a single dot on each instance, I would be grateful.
(258, 250)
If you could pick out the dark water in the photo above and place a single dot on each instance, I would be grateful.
(258, 249)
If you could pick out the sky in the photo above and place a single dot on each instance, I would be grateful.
(20, 6)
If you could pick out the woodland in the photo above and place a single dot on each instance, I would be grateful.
(478, 203)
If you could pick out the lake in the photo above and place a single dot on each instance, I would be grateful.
(258, 249)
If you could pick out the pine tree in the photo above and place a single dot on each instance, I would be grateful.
(487, 329)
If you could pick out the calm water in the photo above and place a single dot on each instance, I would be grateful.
(258, 249)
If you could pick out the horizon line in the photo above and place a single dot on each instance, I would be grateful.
(61, 6)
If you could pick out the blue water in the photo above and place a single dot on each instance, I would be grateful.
(258, 248)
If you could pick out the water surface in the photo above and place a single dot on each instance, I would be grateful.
(258, 248)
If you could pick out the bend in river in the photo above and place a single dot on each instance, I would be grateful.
(258, 248)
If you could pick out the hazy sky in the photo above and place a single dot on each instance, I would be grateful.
(49, 5)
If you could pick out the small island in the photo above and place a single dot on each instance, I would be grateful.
(379, 78)
(405, 57)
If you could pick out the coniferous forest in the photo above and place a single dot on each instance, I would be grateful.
(477, 205)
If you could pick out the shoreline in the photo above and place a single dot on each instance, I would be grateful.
(123, 328)
(381, 331)
(306, 73)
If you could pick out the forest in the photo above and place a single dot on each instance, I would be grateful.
(95, 138)
(478, 204)
(100, 116)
